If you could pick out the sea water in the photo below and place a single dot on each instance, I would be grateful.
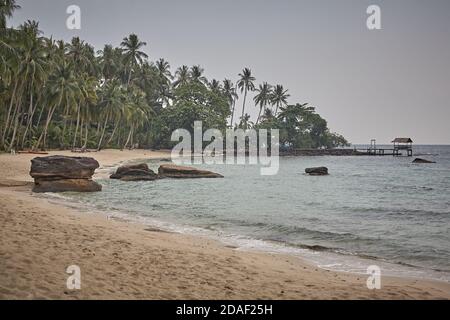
(380, 210)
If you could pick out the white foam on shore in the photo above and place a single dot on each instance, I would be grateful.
(324, 260)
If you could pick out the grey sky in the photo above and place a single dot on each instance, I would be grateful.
(367, 84)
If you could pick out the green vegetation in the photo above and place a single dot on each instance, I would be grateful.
(65, 95)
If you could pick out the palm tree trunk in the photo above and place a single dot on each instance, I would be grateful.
(11, 103)
(112, 135)
(232, 113)
(243, 105)
(129, 78)
(47, 123)
(81, 131)
(129, 136)
(259, 114)
(76, 127)
(66, 114)
(86, 124)
(103, 132)
(17, 106)
(16, 126)
(30, 116)
(40, 116)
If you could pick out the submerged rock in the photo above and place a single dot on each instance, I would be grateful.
(62, 173)
(317, 171)
(420, 160)
(182, 172)
(137, 172)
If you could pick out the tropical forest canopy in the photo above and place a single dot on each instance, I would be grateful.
(62, 95)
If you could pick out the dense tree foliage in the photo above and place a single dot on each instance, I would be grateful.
(65, 95)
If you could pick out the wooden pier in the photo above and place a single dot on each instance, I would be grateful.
(400, 145)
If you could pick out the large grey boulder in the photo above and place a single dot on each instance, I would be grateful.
(182, 172)
(317, 171)
(137, 172)
(420, 160)
(62, 173)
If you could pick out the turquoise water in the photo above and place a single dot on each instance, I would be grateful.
(369, 210)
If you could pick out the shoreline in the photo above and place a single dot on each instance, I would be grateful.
(323, 259)
(111, 254)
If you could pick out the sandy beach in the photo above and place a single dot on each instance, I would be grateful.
(122, 260)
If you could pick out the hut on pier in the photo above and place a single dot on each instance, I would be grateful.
(401, 144)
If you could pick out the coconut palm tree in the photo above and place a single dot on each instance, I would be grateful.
(197, 74)
(31, 75)
(182, 76)
(112, 98)
(133, 55)
(215, 85)
(245, 122)
(108, 62)
(87, 85)
(279, 97)
(81, 55)
(246, 84)
(135, 114)
(230, 92)
(164, 70)
(263, 97)
(63, 91)
(7, 8)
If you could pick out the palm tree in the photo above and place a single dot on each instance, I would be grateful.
(230, 92)
(62, 91)
(279, 97)
(88, 97)
(81, 55)
(135, 114)
(7, 8)
(214, 85)
(182, 76)
(245, 122)
(31, 74)
(263, 97)
(133, 56)
(197, 74)
(164, 70)
(245, 83)
(108, 62)
(112, 99)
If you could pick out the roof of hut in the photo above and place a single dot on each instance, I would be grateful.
(402, 140)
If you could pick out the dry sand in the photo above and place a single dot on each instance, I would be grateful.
(122, 260)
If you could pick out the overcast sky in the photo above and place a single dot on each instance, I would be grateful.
(368, 84)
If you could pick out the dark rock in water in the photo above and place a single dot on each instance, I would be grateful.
(317, 171)
(420, 160)
(137, 172)
(61, 173)
(63, 185)
(181, 172)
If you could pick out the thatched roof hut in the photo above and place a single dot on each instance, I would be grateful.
(402, 144)
(402, 140)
